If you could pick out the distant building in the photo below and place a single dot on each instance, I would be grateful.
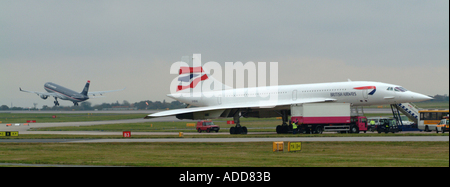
(120, 108)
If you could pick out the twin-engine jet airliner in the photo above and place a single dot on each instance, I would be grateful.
(57, 91)
(276, 101)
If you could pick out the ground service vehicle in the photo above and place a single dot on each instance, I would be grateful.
(316, 118)
(443, 125)
(387, 125)
(377, 122)
(406, 121)
(207, 126)
(428, 119)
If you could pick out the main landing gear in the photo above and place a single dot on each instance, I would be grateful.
(238, 129)
(56, 102)
(284, 128)
(75, 104)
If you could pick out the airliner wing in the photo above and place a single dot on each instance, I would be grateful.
(262, 105)
(182, 111)
(40, 93)
(103, 92)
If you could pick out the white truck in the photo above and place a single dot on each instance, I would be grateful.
(316, 118)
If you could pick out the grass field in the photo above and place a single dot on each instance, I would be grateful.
(425, 105)
(313, 154)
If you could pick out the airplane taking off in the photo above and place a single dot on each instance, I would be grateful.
(63, 93)
(259, 102)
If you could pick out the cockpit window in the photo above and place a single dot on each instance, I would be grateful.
(400, 89)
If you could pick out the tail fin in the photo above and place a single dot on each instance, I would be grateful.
(195, 74)
(190, 77)
(86, 88)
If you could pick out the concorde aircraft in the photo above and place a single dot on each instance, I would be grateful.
(57, 91)
(275, 101)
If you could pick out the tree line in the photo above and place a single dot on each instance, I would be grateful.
(440, 98)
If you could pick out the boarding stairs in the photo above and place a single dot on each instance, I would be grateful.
(410, 110)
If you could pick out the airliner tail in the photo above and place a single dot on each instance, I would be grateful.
(86, 88)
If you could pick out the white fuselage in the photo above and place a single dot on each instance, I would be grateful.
(358, 93)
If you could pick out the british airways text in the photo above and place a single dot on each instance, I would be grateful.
(340, 94)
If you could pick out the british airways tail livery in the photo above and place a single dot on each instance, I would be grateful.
(57, 91)
(275, 101)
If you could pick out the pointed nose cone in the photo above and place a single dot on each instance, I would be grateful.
(417, 97)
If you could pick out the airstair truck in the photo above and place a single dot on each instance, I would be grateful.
(316, 118)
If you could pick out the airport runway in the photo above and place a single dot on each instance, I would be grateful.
(221, 140)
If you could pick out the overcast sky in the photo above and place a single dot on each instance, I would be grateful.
(132, 44)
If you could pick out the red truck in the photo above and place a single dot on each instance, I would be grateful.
(317, 118)
(207, 126)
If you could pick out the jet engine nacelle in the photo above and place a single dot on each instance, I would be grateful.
(213, 114)
(44, 97)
